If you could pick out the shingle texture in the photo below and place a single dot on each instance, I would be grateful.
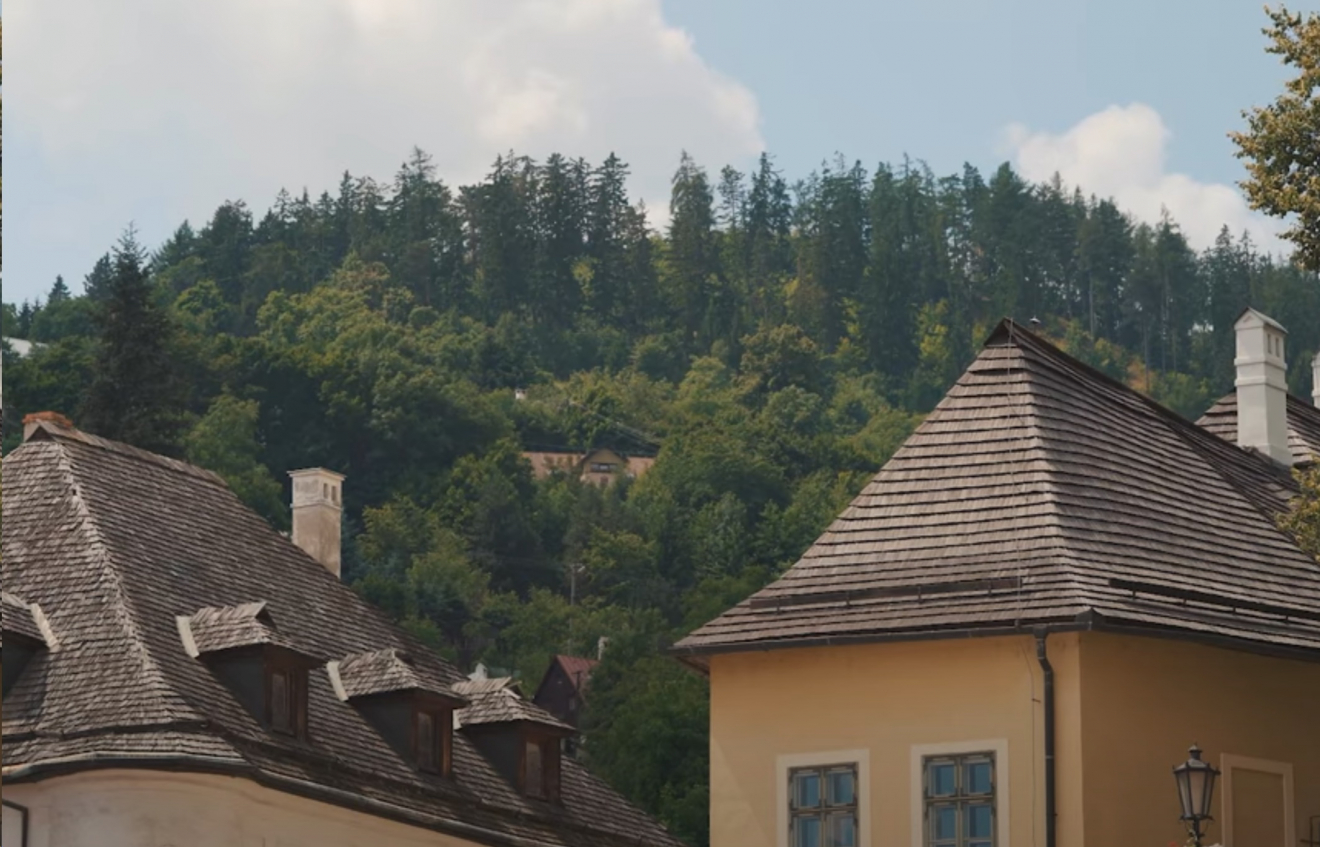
(214, 630)
(493, 701)
(386, 671)
(1303, 425)
(115, 545)
(1041, 492)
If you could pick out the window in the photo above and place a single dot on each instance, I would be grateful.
(535, 770)
(959, 796)
(286, 698)
(431, 739)
(822, 806)
(603, 467)
(541, 767)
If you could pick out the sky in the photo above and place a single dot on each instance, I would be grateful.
(151, 112)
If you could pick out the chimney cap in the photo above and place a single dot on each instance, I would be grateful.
(317, 472)
(1251, 318)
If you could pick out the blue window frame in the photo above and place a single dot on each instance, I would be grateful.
(822, 806)
(960, 800)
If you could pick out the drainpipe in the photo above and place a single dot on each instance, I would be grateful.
(1047, 674)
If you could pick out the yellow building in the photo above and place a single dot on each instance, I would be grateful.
(1026, 619)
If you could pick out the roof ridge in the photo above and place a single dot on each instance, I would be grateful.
(54, 432)
(102, 555)
(1049, 489)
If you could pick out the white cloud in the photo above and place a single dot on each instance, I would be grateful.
(1121, 153)
(156, 109)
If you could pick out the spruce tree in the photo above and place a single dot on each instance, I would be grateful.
(59, 292)
(136, 394)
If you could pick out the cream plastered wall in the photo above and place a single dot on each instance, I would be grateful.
(885, 699)
(1145, 701)
(125, 808)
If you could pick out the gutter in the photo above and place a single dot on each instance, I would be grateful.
(1047, 674)
(696, 657)
(693, 656)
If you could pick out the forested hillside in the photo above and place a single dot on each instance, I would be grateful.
(773, 346)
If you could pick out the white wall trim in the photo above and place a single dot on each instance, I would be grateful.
(998, 746)
(1228, 763)
(786, 762)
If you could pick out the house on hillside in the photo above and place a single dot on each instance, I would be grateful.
(1047, 595)
(563, 689)
(178, 672)
(22, 347)
(599, 466)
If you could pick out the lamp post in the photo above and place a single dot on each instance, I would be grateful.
(1196, 787)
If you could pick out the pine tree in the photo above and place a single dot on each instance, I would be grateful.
(136, 393)
(693, 251)
(59, 292)
(97, 282)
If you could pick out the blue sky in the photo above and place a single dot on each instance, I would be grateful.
(153, 111)
(941, 80)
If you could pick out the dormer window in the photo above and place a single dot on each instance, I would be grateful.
(263, 667)
(433, 737)
(521, 739)
(411, 706)
(286, 696)
(541, 767)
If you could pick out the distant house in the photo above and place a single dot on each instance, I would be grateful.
(600, 465)
(178, 672)
(563, 689)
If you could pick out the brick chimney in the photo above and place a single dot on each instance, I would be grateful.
(1262, 388)
(318, 504)
(33, 422)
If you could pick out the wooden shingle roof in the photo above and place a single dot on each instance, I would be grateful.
(490, 702)
(1041, 492)
(1303, 425)
(116, 545)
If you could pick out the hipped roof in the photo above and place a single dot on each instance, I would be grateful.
(115, 545)
(1041, 492)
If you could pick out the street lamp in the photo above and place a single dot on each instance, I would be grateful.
(1196, 787)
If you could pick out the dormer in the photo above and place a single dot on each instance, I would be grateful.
(522, 740)
(25, 633)
(410, 706)
(264, 668)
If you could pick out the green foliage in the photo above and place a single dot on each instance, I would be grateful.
(224, 440)
(1282, 143)
(646, 728)
(136, 393)
(1302, 520)
(771, 351)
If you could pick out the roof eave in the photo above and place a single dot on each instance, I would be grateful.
(697, 657)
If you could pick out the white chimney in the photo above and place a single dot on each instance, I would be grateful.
(1315, 380)
(318, 503)
(1262, 390)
